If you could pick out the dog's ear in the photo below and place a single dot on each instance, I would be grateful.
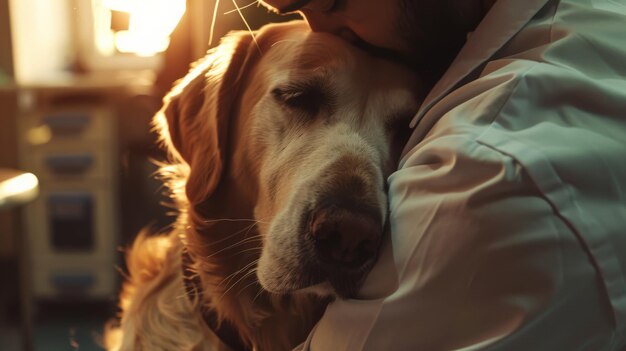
(194, 120)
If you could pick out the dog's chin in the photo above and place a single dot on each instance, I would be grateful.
(335, 285)
(321, 289)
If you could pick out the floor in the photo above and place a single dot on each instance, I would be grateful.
(79, 326)
(76, 325)
(61, 325)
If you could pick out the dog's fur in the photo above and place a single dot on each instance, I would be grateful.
(264, 135)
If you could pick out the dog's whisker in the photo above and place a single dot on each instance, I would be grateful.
(247, 229)
(258, 294)
(245, 235)
(230, 247)
(248, 266)
(213, 243)
(248, 232)
(247, 240)
(213, 21)
(246, 275)
(252, 249)
(243, 18)
(262, 220)
(231, 220)
(252, 283)
(232, 275)
(242, 7)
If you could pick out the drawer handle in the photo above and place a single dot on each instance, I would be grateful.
(65, 281)
(69, 164)
(67, 123)
(71, 221)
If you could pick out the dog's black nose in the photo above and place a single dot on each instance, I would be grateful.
(345, 239)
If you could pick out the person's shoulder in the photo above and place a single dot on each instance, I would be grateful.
(516, 94)
(515, 109)
(505, 89)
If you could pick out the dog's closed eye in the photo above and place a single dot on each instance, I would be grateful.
(308, 98)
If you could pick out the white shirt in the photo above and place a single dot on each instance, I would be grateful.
(508, 210)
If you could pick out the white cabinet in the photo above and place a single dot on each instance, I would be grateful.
(68, 139)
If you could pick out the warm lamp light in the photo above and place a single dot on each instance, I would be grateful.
(150, 24)
(18, 189)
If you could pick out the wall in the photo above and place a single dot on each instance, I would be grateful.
(41, 38)
(6, 59)
(8, 144)
(8, 158)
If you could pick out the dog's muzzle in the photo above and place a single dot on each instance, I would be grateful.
(346, 238)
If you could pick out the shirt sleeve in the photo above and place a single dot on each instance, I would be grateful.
(483, 259)
(484, 251)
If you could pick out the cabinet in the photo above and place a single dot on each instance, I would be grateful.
(68, 139)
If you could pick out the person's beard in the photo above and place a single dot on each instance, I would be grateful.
(433, 32)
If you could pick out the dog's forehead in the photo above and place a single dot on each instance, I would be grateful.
(307, 50)
(293, 53)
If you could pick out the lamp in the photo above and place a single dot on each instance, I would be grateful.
(143, 27)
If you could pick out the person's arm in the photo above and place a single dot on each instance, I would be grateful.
(489, 231)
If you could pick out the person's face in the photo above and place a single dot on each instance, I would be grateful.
(361, 21)
(428, 33)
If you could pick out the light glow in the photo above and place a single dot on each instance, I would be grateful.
(39, 135)
(151, 23)
(19, 189)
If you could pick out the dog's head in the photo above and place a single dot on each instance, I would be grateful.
(298, 131)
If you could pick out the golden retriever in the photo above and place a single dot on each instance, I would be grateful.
(281, 144)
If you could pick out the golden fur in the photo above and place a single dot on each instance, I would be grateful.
(238, 176)
(154, 302)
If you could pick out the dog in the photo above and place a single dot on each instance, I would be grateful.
(280, 147)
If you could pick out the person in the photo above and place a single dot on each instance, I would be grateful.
(508, 207)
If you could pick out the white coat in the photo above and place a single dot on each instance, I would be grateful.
(508, 210)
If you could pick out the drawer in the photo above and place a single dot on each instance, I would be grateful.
(71, 222)
(83, 277)
(63, 162)
(70, 124)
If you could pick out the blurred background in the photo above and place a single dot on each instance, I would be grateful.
(79, 83)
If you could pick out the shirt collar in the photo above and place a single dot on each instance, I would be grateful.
(502, 22)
